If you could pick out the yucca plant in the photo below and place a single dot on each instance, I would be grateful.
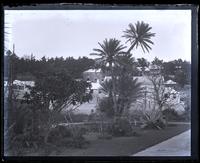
(153, 119)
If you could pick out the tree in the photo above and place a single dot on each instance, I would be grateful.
(53, 93)
(142, 62)
(108, 52)
(139, 35)
(181, 78)
(125, 65)
(158, 92)
(127, 89)
(157, 62)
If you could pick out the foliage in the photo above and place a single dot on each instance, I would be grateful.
(181, 78)
(125, 65)
(109, 50)
(158, 93)
(105, 105)
(157, 62)
(127, 89)
(171, 114)
(142, 62)
(180, 70)
(60, 90)
(27, 67)
(139, 35)
(121, 127)
(153, 119)
(67, 136)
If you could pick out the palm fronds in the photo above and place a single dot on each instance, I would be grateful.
(139, 35)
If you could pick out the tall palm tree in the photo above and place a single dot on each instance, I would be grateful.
(108, 52)
(125, 65)
(139, 35)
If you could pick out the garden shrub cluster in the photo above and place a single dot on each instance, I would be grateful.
(67, 136)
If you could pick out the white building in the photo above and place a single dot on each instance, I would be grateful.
(19, 88)
(147, 100)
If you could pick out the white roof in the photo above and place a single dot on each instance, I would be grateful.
(22, 83)
(107, 78)
(170, 82)
(139, 68)
(146, 69)
(93, 70)
(143, 80)
(95, 86)
(170, 90)
(155, 67)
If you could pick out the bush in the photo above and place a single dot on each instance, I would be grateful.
(153, 119)
(70, 136)
(105, 106)
(170, 114)
(121, 127)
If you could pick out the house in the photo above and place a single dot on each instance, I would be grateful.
(143, 70)
(170, 83)
(147, 99)
(155, 69)
(19, 88)
(93, 75)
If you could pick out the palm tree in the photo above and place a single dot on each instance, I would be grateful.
(108, 52)
(139, 35)
(125, 65)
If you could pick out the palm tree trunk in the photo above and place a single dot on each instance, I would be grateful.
(114, 90)
(132, 46)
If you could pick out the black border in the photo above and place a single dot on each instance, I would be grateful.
(194, 82)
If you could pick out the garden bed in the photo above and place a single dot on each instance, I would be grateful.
(122, 146)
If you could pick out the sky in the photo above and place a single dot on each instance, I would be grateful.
(52, 33)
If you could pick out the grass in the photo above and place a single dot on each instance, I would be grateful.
(124, 146)
(115, 146)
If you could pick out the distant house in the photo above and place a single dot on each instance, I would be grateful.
(170, 83)
(155, 69)
(93, 75)
(147, 98)
(143, 71)
(19, 88)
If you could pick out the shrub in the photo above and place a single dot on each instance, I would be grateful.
(70, 136)
(170, 114)
(105, 106)
(121, 127)
(153, 119)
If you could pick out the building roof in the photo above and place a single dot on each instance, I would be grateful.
(22, 83)
(93, 70)
(154, 67)
(143, 79)
(106, 78)
(170, 82)
(145, 69)
(95, 85)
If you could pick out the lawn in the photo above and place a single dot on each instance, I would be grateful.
(123, 146)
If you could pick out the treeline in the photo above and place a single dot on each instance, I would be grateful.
(176, 70)
(27, 68)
